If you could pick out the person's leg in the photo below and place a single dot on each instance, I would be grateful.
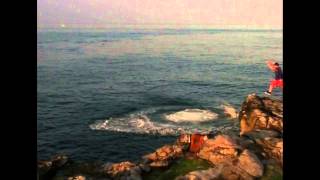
(270, 88)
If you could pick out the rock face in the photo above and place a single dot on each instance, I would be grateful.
(273, 148)
(224, 151)
(261, 119)
(250, 163)
(260, 113)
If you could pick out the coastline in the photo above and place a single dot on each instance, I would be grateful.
(255, 151)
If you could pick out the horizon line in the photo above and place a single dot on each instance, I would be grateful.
(151, 25)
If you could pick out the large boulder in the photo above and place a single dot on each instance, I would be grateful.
(220, 149)
(261, 113)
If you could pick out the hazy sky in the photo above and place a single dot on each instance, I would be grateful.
(105, 13)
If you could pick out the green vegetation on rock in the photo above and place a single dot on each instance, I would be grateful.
(181, 167)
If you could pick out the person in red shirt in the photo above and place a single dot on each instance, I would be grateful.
(278, 77)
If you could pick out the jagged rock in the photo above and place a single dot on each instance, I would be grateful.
(260, 113)
(151, 156)
(250, 163)
(47, 169)
(220, 149)
(163, 156)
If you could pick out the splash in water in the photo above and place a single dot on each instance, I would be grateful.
(192, 115)
(230, 111)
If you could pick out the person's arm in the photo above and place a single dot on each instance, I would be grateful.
(271, 65)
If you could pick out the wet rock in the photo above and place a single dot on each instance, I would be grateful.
(260, 113)
(250, 163)
(47, 169)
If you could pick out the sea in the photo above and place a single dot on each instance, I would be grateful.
(105, 94)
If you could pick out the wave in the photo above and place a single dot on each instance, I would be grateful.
(137, 124)
(141, 123)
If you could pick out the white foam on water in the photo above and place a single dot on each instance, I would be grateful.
(141, 123)
(229, 110)
(192, 115)
(136, 124)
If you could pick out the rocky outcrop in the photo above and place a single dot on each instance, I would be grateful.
(124, 170)
(260, 113)
(220, 149)
(250, 163)
(163, 156)
(47, 169)
(224, 150)
(256, 154)
(273, 148)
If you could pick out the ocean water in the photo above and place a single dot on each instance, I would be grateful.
(104, 94)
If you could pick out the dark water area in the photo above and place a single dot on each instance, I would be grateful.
(85, 77)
